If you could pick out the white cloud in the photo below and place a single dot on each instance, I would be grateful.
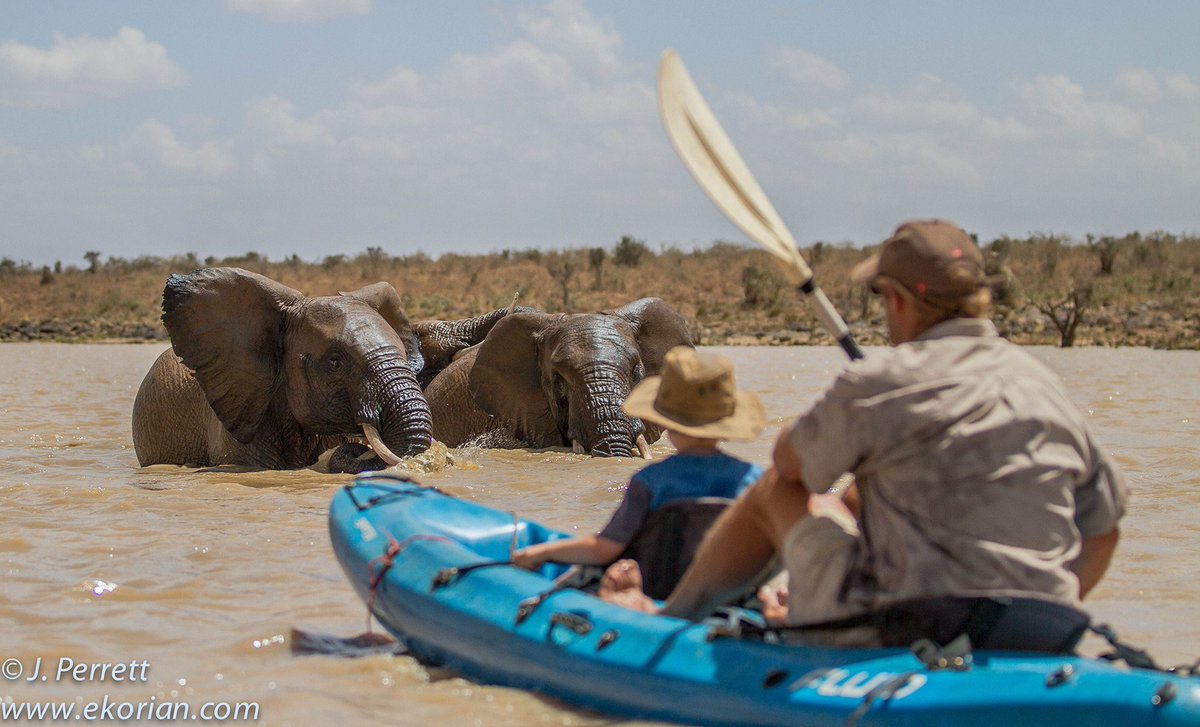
(1059, 102)
(276, 117)
(404, 85)
(618, 103)
(300, 10)
(518, 70)
(1006, 130)
(566, 27)
(75, 68)
(1138, 83)
(928, 101)
(808, 70)
(12, 156)
(209, 160)
(913, 156)
(1180, 86)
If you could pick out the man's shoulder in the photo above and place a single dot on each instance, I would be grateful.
(937, 363)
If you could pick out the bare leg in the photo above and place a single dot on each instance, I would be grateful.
(739, 546)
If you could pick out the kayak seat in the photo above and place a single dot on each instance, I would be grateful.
(997, 623)
(993, 623)
(668, 539)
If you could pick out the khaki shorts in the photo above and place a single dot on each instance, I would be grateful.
(820, 553)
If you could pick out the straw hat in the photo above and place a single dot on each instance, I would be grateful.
(697, 395)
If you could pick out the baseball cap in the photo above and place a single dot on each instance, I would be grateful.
(934, 259)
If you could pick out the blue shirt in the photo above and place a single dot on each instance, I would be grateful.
(678, 477)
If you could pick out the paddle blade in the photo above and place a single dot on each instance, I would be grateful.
(716, 165)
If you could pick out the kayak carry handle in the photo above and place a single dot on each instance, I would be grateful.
(576, 622)
(450, 574)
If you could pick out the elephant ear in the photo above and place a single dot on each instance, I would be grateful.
(659, 329)
(382, 296)
(227, 324)
(506, 379)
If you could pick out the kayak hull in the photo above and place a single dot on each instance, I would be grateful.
(413, 554)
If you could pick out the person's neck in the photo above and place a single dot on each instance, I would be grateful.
(698, 447)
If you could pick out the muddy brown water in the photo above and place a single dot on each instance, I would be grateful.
(201, 576)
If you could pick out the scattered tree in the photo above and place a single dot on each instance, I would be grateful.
(630, 251)
(1106, 249)
(596, 258)
(761, 287)
(1067, 313)
(93, 259)
(561, 266)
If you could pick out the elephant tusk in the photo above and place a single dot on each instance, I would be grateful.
(377, 444)
(513, 305)
(577, 448)
(643, 447)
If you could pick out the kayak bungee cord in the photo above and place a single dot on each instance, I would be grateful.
(377, 568)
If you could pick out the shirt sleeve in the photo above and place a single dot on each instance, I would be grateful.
(630, 514)
(1100, 498)
(828, 438)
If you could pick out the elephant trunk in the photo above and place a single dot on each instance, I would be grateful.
(473, 330)
(442, 341)
(606, 430)
(395, 408)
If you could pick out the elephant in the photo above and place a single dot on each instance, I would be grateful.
(260, 375)
(442, 341)
(557, 380)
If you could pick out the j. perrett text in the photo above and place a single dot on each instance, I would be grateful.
(101, 671)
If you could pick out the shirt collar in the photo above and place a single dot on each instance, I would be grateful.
(977, 327)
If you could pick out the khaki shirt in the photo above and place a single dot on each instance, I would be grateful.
(977, 473)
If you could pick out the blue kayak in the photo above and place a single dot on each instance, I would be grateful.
(432, 568)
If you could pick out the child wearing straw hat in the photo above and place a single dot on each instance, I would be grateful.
(697, 401)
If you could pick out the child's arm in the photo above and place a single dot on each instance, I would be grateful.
(588, 550)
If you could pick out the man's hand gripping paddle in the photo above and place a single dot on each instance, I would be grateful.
(721, 173)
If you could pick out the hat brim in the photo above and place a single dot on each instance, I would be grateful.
(866, 271)
(746, 421)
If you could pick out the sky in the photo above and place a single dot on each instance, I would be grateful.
(324, 127)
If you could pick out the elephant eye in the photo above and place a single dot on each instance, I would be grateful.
(334, 361)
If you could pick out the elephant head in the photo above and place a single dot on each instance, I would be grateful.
(560, 379)
(285, 373)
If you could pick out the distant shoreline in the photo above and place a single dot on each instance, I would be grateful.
(1034, 333)
(1134, 291)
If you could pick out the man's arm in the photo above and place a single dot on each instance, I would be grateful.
(1094, 556)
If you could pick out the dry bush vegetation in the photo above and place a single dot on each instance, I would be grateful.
(1135, 290)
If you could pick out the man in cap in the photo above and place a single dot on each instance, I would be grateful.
(976, 473)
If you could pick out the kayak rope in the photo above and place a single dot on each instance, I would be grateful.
(1138, 658)
(450, 574)
(389, 493)
(377, 568)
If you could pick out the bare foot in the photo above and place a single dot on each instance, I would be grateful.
(774, 603)
(622, 584)
(623, 575)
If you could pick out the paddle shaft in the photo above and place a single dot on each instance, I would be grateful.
(831, 320)
(717, 167)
